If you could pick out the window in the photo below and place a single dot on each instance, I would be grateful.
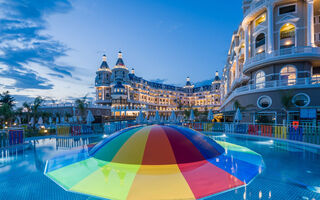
(287, 9)
(260, 42)
(288, 75)
(316, 73)
(287, 35)
(301, 100)
(264, 102)
(260, 79)
(260, 19)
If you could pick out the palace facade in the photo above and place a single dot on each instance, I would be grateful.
(127, 94)
(273, 67)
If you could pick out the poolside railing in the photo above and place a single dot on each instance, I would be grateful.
(11, 137)
(303, 133)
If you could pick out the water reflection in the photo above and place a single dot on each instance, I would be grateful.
(21, 171)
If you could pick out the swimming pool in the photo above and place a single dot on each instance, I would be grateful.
(292, 170)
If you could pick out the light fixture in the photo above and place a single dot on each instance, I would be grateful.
(289, 42)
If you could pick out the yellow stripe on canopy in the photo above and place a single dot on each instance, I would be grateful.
(159, 182)
(132, 150)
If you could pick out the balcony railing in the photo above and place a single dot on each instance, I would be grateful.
(272, 85)
(254, 6)
(294, 52)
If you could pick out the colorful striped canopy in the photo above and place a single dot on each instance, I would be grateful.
(155, 162)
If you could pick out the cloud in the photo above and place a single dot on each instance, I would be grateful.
(22, 43)
(26, 80)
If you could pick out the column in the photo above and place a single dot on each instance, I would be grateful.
(270, 28)
(246, 38)
(310, 25)
(103, 93)
(237, 67)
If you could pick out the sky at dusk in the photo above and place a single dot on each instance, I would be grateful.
(53, 48)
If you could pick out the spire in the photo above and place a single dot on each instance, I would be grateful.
(188, 83)
(119, 54)
(120, 62)
(104, 65)
(216, 78)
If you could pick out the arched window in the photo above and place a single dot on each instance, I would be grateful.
(287, 36)
(260, 42)
(260, 79)
(288, 75)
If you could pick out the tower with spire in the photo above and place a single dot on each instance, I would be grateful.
(103, 81)
(103, 75)
(120, 71)
(216, 82)
(188, 83)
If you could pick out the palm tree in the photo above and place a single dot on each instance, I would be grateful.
(35, 107)
(6, 98)
(6, 106)
(27, 109)
(6, 112)
(286, 101)
(81, 105)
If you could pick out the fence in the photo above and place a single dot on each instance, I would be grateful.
(304, 133)
(75, 129)
(110, 128)
(11, 137)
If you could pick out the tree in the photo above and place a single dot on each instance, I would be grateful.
(27, 110)
(81, 105)
(6, 98)
(6, 112)
(286, 101)
(35, 106)
(6, 106)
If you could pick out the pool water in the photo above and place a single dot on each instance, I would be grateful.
(292, 171)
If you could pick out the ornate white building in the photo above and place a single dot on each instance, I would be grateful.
(127, 93)
(273, 65)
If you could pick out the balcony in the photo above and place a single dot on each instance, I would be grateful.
(289, 54)
(255, 6)
(308, 82)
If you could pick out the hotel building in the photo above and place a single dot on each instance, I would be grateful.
(273, 66)
(127, 94)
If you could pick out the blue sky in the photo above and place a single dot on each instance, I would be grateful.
(52, 48)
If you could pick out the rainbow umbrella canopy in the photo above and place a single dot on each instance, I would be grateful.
(155, 162)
